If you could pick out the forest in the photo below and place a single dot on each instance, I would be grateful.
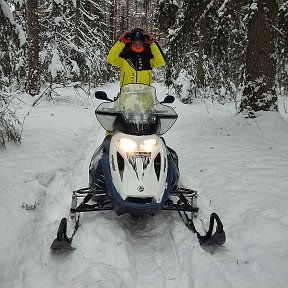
(208, 135)
(232, 50)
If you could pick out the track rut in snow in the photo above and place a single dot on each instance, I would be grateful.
(152, 250)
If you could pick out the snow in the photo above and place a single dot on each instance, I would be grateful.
(75, 67)
(88, 64)
(238, 165)
(56, 65)
(21, 2)
(58, 20)
(21, 34)
(184, 83)
(171, 32)
(221, 10)
(59, 2)
(74, 3)
(8, 13)
(254, 5)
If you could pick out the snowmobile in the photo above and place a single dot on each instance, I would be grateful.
(134, 171)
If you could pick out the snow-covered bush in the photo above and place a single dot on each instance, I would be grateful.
(183, 86)
(9, 122)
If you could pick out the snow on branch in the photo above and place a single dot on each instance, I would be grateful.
(56, 66)
(6, 9)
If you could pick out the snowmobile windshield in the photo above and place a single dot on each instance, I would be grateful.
(136, 111)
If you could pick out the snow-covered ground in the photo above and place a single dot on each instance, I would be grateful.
(239, 166)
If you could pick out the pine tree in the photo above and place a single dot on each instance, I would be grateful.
(12, 46)
(283, 53)
(33, 47)
(73, 41)
(259, 92)
(127, 14)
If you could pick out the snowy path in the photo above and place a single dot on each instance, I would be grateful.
(239, 167)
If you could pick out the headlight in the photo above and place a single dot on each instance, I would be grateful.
(127, 145)
(148, 145)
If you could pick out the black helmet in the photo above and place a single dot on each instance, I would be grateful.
(138, 35)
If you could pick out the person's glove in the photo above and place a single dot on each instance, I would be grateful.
(126, 37)
(149, 39)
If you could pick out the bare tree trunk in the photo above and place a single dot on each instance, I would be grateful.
(201, 54)
(146, 18)
(114, 20)
(118, 16)
(127, 13)
(77, 23)
(152, 17)
(33, 47)
(92, 12)
(105, 8)
(92, 8)
(64, 6)
(111, 20)
(259, 92)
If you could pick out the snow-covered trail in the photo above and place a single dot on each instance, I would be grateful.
(239, 167)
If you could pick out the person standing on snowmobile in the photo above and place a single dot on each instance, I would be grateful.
(136, 53)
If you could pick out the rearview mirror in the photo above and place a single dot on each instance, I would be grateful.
(101, 95)
(168, 100)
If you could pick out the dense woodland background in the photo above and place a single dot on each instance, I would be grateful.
(226, 50)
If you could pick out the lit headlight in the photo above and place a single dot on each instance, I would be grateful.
(148, 145)
(127, 145)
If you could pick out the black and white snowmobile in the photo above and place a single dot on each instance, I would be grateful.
(133, 171)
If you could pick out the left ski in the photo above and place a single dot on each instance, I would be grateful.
(62, 241)
(216, 238)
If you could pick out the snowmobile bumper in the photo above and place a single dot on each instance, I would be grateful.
(104, 203)
(136, 206)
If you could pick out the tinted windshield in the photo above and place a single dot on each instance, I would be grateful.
(136, 111)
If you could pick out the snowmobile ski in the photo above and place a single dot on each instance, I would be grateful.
(216, 238)
(62, 241)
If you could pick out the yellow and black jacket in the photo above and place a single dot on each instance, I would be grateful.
(135, 67)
